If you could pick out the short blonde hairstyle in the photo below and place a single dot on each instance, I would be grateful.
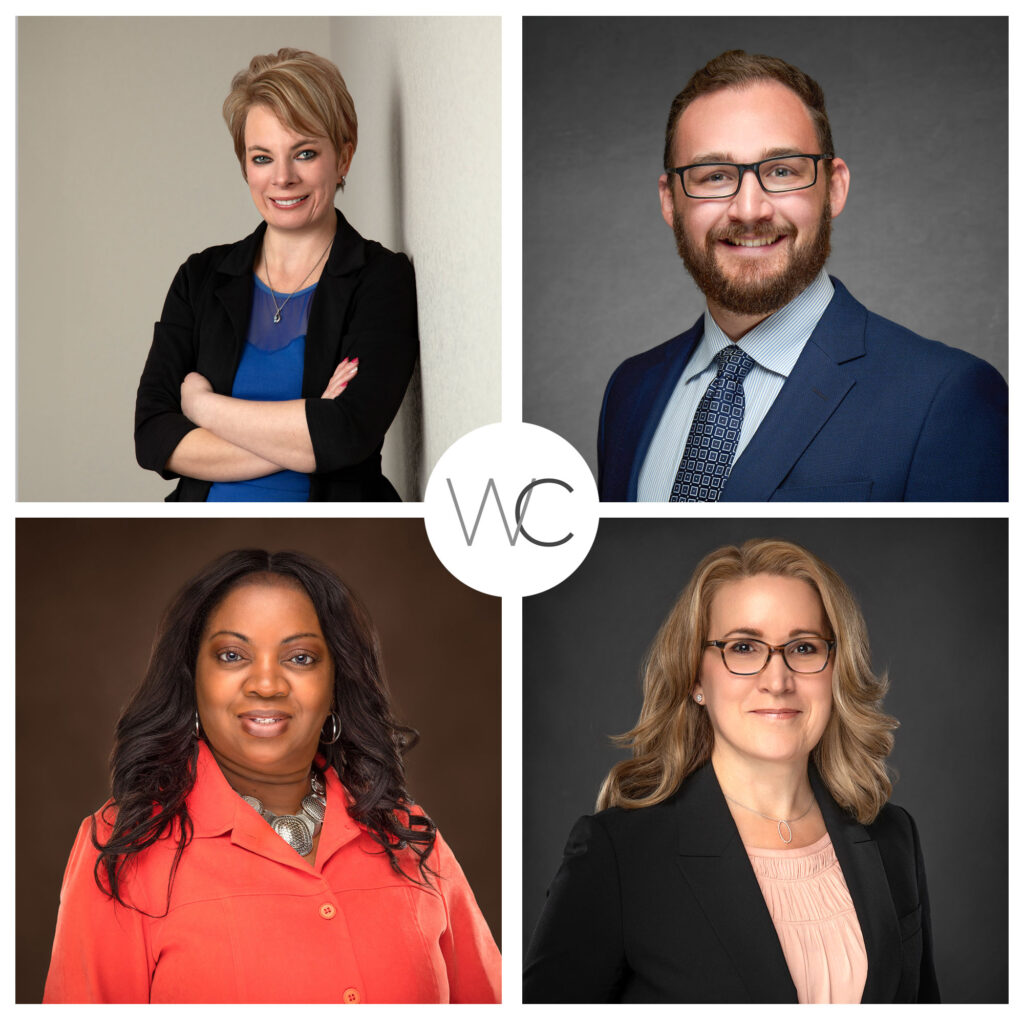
(673, 736)
(306, 93)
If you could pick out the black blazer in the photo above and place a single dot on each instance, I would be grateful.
(364, 305)
(660, 905)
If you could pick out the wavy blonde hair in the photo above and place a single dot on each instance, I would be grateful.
(673, 736)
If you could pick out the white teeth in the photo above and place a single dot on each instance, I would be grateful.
(754, 243)
(288, 202)
(266, 721)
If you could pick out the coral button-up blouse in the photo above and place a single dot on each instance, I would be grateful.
(250, 921)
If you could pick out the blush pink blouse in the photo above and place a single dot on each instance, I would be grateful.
(817, 925)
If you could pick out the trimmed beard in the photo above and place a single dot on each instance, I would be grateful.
(750, 295)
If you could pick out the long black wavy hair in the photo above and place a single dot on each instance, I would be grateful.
(153, 763)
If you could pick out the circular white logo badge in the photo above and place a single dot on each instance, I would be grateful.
(511, 509)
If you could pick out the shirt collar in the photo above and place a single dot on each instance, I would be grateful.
(775, 343)
(215, 808)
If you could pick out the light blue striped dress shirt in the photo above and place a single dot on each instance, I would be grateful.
(774, 344)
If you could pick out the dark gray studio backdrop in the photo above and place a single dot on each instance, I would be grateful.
(918, 108)
(934, 594)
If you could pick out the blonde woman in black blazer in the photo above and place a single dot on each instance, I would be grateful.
(279, 362)
(761, 736)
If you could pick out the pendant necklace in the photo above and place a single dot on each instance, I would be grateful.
(779, 822)
(273, 297)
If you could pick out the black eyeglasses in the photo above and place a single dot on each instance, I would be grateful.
(743, 656)
(776, 174)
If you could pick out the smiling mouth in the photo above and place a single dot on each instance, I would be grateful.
(752, 243)
(287, 204)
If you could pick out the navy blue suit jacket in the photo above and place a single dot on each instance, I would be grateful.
(870, 412)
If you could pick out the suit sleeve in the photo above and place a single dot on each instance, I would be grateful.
(961, 452)
(577, 951)
(472, 959)
(159, 422)
(382, 334)
(99, 949)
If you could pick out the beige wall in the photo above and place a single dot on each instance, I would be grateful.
(125, 168)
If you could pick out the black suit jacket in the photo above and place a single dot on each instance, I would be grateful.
(364, 305)
(661, 905)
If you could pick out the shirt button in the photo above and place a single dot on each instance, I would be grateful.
(327, 911)
(351, 995)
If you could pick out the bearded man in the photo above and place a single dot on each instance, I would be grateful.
(787, 388)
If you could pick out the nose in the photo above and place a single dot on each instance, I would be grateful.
(751, 203)
(776, 676)
(266, 678)
(284, 173)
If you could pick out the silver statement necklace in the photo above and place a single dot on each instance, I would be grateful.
(297, 830)
(273, 297)
(779, 822)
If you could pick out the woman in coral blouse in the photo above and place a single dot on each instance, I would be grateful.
(260, 845)
(747, 851)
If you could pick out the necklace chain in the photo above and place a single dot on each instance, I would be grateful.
(273, 297)
(779, 822)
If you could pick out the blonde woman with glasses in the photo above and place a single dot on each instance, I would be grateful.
(746, 851)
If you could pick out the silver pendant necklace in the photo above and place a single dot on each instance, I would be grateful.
(779, 822)
(297, 830)
(273, 297)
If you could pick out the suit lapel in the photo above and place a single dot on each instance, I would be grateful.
(865, 876)
(233, 290)
(651, 406)
(820, 380)
(716, 867)
(330, 306)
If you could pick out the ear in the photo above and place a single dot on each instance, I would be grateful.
(345, 159)
(668, 204)
(839, 186)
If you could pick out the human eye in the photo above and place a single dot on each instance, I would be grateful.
(780, 171)
(742, 648)
(716, 175)
(304, 659)
(807, 645)
(229, 657)
(261, 158)
(306, 154)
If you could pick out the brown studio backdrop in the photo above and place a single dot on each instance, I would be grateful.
(90, 593)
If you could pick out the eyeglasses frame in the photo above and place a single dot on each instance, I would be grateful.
(781, 648)
(755, 167)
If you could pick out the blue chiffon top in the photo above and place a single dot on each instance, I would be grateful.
(271, 371)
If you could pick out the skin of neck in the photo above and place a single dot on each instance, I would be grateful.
(279, 793)
(780, 789)
(290, 254)
(735, 325)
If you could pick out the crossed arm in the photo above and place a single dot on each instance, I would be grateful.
(238, 439)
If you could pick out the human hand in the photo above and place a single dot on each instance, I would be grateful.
(193, 388)
(344, 372)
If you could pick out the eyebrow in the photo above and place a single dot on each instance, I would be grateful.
(248, 640)
(728, 158)
(298, 145)
(758, 634)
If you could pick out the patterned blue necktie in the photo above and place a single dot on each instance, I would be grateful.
(715, 431)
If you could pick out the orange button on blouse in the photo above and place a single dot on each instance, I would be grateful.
(250, 921)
